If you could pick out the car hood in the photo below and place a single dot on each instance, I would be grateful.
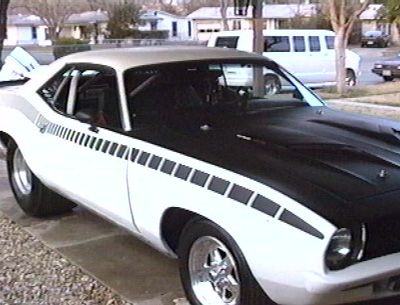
(391, 61)
(340, 154)
(333, 162)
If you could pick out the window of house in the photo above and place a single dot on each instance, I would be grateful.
(237, 24)
(276, 44)
(174, 28)
(189, 29)
(153, 25)
(34, 32)
(315, 45)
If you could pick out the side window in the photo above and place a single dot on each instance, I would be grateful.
(88, 94)
(315, 45)
(227, 42)
(330, 42)
(276, 44)
(299, 44)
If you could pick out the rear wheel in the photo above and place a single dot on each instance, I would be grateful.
(272, 85)
(388, 78)
(213, 269)
(351, 79)
(32, 196)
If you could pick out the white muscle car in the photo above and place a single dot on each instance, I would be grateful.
(263, 193)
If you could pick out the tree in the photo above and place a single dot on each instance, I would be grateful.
(343, 14)
(123, 20)
(53, 13)
(391, 12)
(3, 23)
(224, 9)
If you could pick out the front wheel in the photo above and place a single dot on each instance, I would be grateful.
(388, 78)
(32, 196)
(213, 269)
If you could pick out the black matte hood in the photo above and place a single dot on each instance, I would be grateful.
(333, 162)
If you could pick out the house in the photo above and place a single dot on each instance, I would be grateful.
(91, 25)
(207, 20)
(371, 20)
(178, 27)
(26, 29)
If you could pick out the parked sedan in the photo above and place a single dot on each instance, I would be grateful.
(375, 38)
(389, 69)
(265, 196)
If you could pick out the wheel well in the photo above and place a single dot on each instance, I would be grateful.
(350, 70)
(4, 138)
(172, 224)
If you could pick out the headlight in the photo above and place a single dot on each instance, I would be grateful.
(398, 67)
(345, 248)
(378, 66)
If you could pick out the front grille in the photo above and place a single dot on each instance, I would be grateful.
(383, 238)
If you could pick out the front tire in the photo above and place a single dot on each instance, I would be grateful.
(32, 196)
(388, 78)
(213, 269)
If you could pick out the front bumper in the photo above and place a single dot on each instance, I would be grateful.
(374, 279)
(395, 73)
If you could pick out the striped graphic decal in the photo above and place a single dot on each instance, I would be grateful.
(183, 172)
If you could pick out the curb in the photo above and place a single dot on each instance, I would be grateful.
(365, 105)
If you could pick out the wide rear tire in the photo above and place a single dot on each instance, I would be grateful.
(213, 269)
(32, 196)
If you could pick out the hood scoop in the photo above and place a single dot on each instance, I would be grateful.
(363, 128)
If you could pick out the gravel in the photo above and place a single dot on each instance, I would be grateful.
(32, 274)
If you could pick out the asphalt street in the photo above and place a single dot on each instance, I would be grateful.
(368, 57)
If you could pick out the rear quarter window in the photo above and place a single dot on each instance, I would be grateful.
(227, 42)
(276, 44)
(330, 42)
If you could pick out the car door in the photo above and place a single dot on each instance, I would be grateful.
(85, 146)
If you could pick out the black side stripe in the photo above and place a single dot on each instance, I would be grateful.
(265, 205)
(295, 221)
(217, 185)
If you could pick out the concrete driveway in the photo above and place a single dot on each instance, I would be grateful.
(110, 254)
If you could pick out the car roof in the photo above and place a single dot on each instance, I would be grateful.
(287, 32)
(125, 58)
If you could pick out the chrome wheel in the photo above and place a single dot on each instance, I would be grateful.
(213, 272)
(22, 175)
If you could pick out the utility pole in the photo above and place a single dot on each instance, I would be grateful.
(258, 26)
(241, 7)
(258, 46)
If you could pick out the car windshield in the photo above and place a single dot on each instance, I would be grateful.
(373, 33)
(223, 86)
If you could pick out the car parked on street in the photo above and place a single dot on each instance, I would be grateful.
(389, 69)
(265, 196)
(375, 39)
